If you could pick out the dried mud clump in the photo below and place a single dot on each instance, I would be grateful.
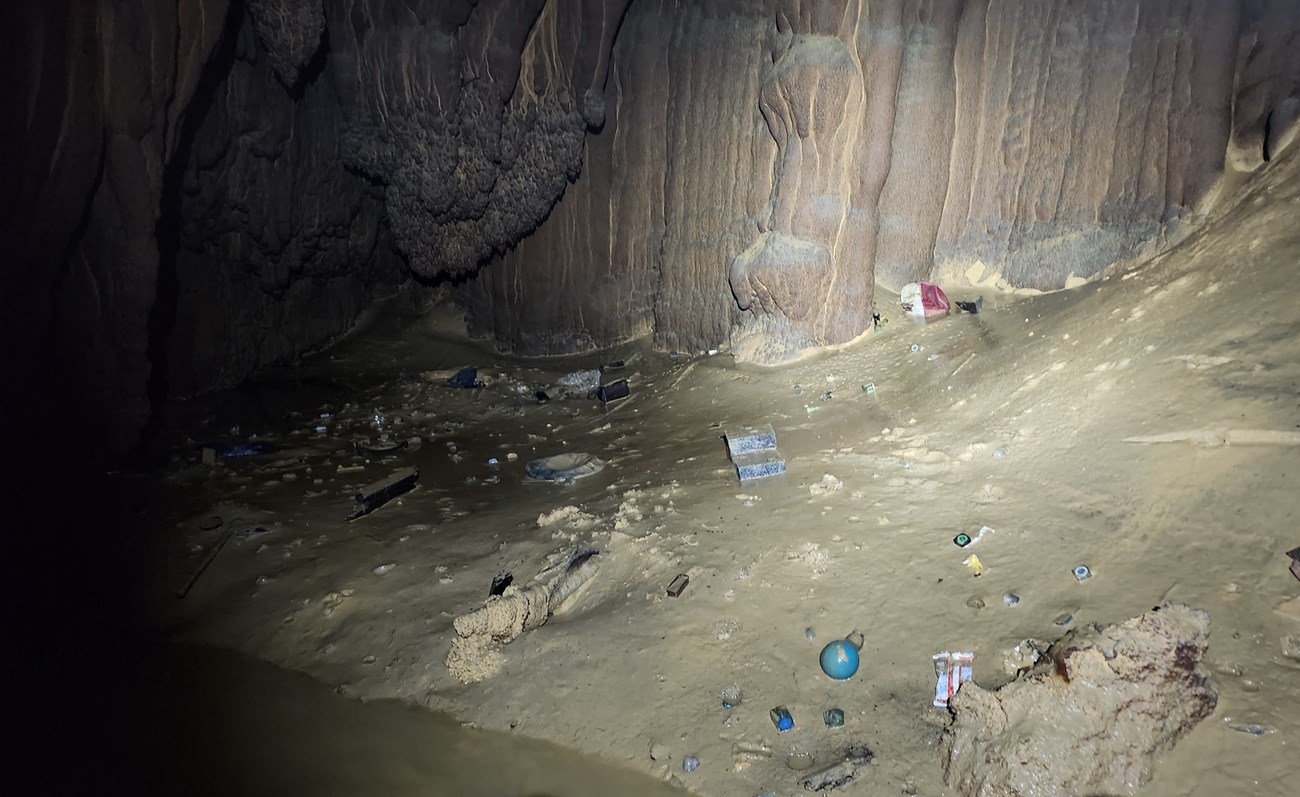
(1091, 717)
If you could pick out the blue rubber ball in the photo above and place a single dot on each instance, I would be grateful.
(840, 659)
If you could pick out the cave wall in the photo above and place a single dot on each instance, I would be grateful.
(806, 152)
(204, 188)
(278, 248)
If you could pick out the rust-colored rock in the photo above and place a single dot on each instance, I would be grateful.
(1091, 717)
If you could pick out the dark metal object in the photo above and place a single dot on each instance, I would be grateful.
(972, 307)
(613, 391)
(678, 584)
(381, 492)
(500, 582)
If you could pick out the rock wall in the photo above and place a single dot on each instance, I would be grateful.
(98, 93)
(205, 187)
(277, 247)
(795, 154)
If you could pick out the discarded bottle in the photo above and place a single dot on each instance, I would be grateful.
(833, 717)
(781, 718)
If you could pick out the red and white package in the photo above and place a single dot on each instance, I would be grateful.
(923, 299)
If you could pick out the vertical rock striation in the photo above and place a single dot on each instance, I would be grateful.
(809, 150)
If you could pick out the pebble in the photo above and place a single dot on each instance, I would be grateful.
(383, 569)
(690, 763)
(810, 633)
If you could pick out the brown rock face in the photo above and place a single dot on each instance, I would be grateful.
(1091, 718)
(808, 151)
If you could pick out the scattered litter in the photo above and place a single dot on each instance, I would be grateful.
(207, 560)
(975, 565)
(678, 584)
(238, 450)
(1011, 599)
(971, 307)
(961, 540)
(384, 569)
(381, 492)
(493, 461)
(1081, 572)
(690, 763)
(829, 484)
(1252, 728)
(1064, 620)
(731, 697)
(827, 396)
(810, 633)
(466, 379)
(781, 718)
(613, 391)
(951, 671)
(381, 448)
(979, 535)
(833, 717)
(753, 452)
(924, 299)
(916, 347)
(580, 383)
(839, 659)
(564, 467)
(1294, 553)
(500, 581)
(869, 388)
(855, 757)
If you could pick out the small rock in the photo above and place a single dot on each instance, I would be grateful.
(383, 569)
(690, 763)
(659, 752)
(1011, 599)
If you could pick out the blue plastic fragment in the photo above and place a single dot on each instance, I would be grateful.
(781, 719)
(465, 378)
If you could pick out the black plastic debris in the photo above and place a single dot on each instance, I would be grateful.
(678, 584)
(1294, 553)
(381, 492)
(502, 580)
(466, 378)
(613, 391)
(542, 397)
(972, 307)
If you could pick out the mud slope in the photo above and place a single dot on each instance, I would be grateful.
(1015, 419)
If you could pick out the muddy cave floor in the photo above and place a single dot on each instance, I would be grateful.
(1015, 419)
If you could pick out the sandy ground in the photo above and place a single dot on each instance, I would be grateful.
(1014, 419)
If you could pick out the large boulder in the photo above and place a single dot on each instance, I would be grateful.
(1090, 717)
